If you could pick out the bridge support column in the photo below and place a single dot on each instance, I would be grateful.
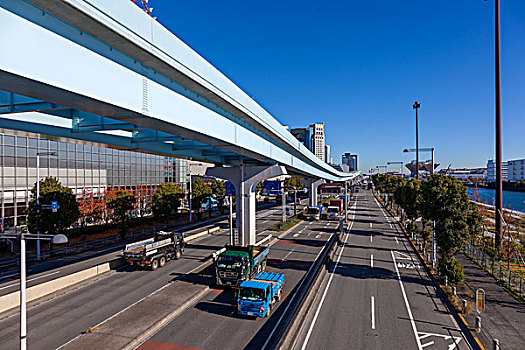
(245, 180)
(312, 190)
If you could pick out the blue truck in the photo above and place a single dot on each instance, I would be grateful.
(257, 296)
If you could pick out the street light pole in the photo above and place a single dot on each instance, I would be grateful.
(416, 107)
(499, 177)
(56, 239)
(23, 307)
(38, 196)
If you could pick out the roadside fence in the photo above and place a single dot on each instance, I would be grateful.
(500, 272)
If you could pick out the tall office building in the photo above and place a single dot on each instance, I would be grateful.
(303, 135)
(350, 160)
(318, 141)
(327, 154)
(516, 170)
(84, 168)
(491, 171)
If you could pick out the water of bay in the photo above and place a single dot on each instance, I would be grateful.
(516, 200)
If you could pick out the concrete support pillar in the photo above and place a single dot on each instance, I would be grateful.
(245, 180)
(312, 190)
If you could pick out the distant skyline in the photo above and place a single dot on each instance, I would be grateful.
(358, 66)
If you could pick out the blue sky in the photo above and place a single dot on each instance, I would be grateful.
(360, 65)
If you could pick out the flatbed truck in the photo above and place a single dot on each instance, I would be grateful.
(154, 252)
(238, 263)
(257, 296)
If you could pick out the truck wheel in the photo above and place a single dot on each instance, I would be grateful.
(154, 264)
(269, 310)
(162, 261)
(178, 254)
(263, 265)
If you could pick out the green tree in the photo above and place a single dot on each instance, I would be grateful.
(294, 181)
(408, 196)
(166, 200)
(46, 221)
(218, 188)
(121, 205)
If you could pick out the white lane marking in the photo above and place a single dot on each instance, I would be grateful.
(370, 224)
(389, 224)
(296, 235)
(373, 313)
(327, 286)
(406, 302)
(455, 340)
(396, 240)
(287, 255)
(317, 236)
(427, 344)
(371, 236)
(32, 279)
(372, 260)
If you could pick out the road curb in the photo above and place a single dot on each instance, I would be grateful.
(12, 300)
(457, 316)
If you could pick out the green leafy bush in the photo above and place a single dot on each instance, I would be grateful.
(450, 267)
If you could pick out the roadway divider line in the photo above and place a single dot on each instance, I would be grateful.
(373, 312)
(412, 322)
(12, 300)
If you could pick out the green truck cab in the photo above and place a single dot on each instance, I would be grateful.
(237, 263)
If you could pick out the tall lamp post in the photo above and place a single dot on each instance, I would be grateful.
(416, 107)
(400, 168)
(499, 178)
(55, 239)
(38, 194)
(430, 149)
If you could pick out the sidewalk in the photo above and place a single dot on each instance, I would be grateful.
(504, 316)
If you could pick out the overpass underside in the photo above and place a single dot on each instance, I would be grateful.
(78, 70)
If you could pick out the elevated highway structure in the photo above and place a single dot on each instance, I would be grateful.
(107, 73)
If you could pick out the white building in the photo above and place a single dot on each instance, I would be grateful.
(491, 171)
(318, 141)
(516, 170)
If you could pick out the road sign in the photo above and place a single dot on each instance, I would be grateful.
(480, 300)
(54, 206)
(273, 187)
(230, 189)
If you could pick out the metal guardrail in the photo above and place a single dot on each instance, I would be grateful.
(509, 278)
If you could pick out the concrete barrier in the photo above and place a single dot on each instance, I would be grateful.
(12, 300)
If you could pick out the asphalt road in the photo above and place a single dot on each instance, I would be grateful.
(211, 323)
(66, 265)
(54, 322)
(375, 295)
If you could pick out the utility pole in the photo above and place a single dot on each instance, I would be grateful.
(416, 107)
(499, 178)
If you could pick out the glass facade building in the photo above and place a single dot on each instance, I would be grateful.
(79, 166)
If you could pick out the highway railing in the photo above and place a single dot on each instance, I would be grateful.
(501, 273)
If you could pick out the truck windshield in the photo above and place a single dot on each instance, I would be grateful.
(252, 294)
(229, 261)
(313, 211)
(333, 210)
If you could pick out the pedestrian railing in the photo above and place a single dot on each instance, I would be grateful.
(506, 276)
